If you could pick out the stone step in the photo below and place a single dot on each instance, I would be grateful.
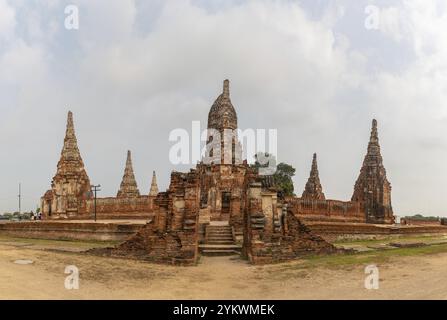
(218, 223)
(217, 234)
(220, 242)
(215, 253)
(219, 249)
(219, 246)
(220, 238)
(224, 237)
(218, 230)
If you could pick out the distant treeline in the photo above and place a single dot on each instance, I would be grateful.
(18, 216)
(422, 218)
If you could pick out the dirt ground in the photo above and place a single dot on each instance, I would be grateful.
(419, 276)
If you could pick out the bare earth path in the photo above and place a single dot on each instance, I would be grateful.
(417, 277)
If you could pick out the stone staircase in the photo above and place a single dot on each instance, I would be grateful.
(219, 240)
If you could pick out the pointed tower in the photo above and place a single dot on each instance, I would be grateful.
(372, 188)
(154, 188)
(71, 184)
(128, 187)
(313, 189)
(222, 114)
(222, 120)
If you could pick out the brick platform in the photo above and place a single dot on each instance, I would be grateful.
(72, 230)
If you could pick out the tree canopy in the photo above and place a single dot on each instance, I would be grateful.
(282, 175)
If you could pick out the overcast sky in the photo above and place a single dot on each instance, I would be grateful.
(317, 71)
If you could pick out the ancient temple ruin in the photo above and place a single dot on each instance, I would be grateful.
(370, 203)
(153, 192)
(70, 188)
(128, 187)
(221, 206)
(372, 188)
(71, 197)
(313, 188)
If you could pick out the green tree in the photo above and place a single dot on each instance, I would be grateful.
(283, 173)
(7, 215)
(283, 178)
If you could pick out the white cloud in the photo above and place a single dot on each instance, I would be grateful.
(414, 102)
(129, 85)
(7, 20)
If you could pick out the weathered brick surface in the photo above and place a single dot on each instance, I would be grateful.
(128, 187)
(69, 230)
(339, 231)
(220, 183)
(313, 189)
(326, 210)
(70, 186)
(70, 196)
(153, 192)
(172, 237)
(370, 203)
(272, 233)
(372, 188)
(224, 188)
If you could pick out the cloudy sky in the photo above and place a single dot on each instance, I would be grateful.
(317, 71)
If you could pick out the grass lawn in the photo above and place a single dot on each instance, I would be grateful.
(417, 238)
(371, 257)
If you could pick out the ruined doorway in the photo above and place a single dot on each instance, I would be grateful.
(226, 201)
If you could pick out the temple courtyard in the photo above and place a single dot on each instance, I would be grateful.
(411, 267)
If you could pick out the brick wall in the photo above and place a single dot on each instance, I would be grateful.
(69, 230)
(326, 210)
(172, 236)
(272, 233)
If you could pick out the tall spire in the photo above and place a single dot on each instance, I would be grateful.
(222, 127)
(154, 188)
(373, 145)
(226, 88)
(71, 182)
(70, 152)
(128, 187)
(313, 189)
(70, 162)
(222, 114)
(372, 187)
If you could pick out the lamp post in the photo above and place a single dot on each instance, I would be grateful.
(95, 189)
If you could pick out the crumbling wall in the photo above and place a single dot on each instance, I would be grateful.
(141, 207)
(217, 180)
(332, 231)
(172, 236)
(326, 210)
(272, 233)
(119, 207)
(69, 230)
